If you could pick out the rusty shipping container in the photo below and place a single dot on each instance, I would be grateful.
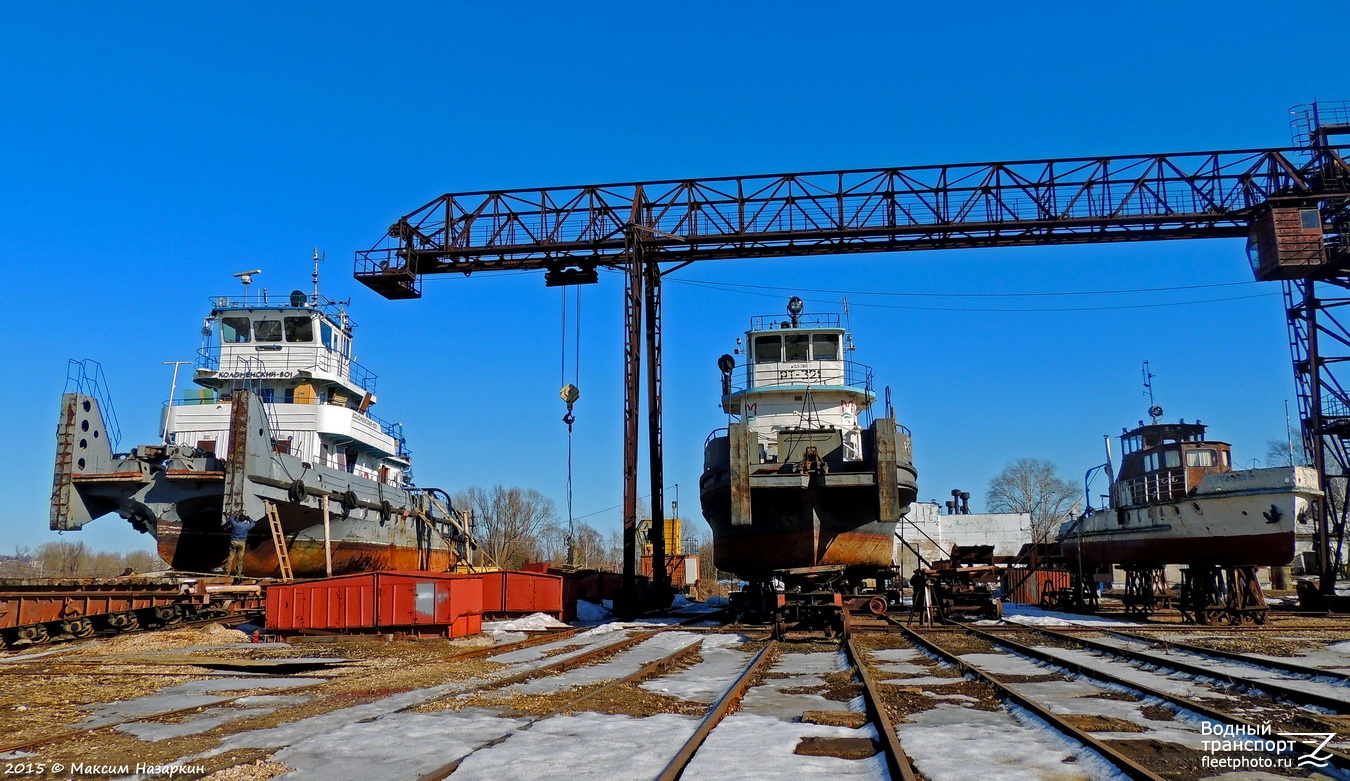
(409, 602)
(521, 593)
(1025, 589)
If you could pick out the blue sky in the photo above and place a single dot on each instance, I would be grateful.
(152, 150)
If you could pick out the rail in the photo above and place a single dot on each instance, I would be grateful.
(1337, 704)
(1127, 765)
(896, 760)
(1338, 758)
(86, 377)
(1168, 485)
(334, 309)
(289, 360)
(771, 322)
(392, 430)
(818, 374)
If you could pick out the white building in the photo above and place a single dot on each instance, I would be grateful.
(927, 529)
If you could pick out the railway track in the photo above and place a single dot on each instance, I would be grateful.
(549, 685)
(1228, 703)
(1199, 662)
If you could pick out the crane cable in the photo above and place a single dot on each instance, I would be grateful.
(569, 394)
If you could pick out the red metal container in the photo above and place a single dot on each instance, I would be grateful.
(1027, 589)
(408, 602)
(522, 593)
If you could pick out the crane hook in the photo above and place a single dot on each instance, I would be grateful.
(569, 393)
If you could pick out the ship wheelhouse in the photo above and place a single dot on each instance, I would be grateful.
(296, 355)
(1165, 462)
(796, 380)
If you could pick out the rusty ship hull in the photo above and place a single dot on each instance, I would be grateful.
(768, 519)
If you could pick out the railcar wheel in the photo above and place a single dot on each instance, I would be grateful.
(79, 627)
(168, 615)
(124, 622)
(36, 634)
(877, 606)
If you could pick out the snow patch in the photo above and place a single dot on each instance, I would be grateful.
(955, 743)
(588, 745)
(753, 747)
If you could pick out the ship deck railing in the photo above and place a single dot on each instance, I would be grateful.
(833, 374)
(391, 430)
(1167, 485)
(264, 300)
(301, 358)
(774, 322)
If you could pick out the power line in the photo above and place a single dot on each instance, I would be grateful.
(967, 295)
(732, 288)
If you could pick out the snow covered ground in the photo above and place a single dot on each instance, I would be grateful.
(1034, 616)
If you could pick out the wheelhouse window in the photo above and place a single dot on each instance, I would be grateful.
(1151, 462)
(326, 334)
(1130, 444)
(1202, 457)
(233, 330)
(299, 329)
(1172, 459)
(825, 347)
(768, 349)
(797, 347)
(267, 330)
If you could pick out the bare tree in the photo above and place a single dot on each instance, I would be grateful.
(1033, 485)
(1282, 452)
(509, 522)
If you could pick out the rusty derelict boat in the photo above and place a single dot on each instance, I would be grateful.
(1178, 500)
(797, 488)
(280, 420)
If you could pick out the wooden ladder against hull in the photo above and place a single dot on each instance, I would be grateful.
(279, 541)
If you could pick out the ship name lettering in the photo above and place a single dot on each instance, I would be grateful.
(264, 375)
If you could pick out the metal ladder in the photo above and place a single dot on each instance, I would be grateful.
(279, 540)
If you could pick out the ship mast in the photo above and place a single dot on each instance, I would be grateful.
(1154, 411)
(319, 257)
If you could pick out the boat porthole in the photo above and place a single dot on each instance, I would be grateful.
(1198, 511)
(95, 433)
(80, 463)
(84, 425)
(296, 492)
(1244, 512)
(84, 443)
(86, 405)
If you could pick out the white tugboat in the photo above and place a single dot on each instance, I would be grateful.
(281, 417)
(797, 487)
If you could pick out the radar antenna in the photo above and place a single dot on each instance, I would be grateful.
(1154, 411)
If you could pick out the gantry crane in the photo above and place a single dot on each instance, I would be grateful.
(1292, 204)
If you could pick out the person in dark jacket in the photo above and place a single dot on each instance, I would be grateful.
(238, 527)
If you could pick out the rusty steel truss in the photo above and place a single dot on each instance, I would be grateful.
(570, 232)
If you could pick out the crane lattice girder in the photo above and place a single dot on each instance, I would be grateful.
(1184, 195)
